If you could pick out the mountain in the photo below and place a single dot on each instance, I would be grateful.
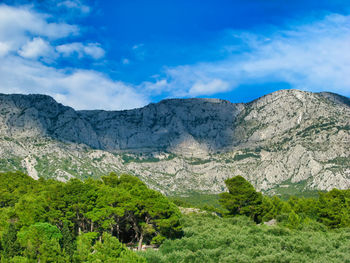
(289, 139)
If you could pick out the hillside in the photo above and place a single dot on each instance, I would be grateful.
(289, 140)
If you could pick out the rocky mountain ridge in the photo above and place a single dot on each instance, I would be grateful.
(287, 139)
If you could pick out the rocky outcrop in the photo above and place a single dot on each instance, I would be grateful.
(175, 125)
(289, 138)
(188, 126)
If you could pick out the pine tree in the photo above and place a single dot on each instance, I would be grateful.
(67, 241)
(9, 243)
(242, 198)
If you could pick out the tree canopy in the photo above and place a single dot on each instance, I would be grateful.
(241, 198)
(93, 215)
(94, 220)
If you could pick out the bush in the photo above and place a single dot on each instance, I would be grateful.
(214, 239)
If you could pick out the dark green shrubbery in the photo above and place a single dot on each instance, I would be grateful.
(213, 239)
(51, 221)
(303, 233)
(332, 209)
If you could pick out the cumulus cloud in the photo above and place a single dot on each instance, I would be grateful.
(92, 50)
(37, 48)
(29, 33)
(25, 31)
(4, 49)
(212, 87)
(17, 22)
(81, 89)
(312, 56)
(27, 41)
(87, 88)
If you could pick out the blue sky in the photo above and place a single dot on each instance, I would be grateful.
(125, 54)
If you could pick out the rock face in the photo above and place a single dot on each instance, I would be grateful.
(286, 139)
(187, 126)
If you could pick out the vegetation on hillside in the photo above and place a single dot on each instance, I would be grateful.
(212, 239)
(308, 229)
(92, 221)
(51, 221)
(332, 208)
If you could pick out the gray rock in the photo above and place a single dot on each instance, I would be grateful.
(289, 138)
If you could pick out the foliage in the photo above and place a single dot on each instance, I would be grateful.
(334, 208)
(213, 239)
(51, 221)
(9, 243)
(109, 249)
(40, 242)
(288, 189)
(239, 157)
(331, 209)
(242, 198)
(195, 199)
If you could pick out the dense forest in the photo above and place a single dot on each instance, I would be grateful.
(51, 221)
(101, 220)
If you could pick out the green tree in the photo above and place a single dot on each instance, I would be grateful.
(84, 247)
(271, 207)
(67, 240)
(333, 208)
(242, 198)
(41, 242)
(139, 212)
(120, 205)
(294, 220)
(109, 249)
(14, 185)
(9, 243)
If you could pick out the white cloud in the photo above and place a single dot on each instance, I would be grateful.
(90, 89)
(27, 43)
(92, 50)
(155, 88)
(80, 89)
(37, 48)
(212, 87)
(4, 49)
(69, 49)
(17, 22)
(19, 25)
(75, 4)
(28, 33)
(312, 56)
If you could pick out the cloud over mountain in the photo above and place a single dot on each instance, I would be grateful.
(308, 55)
(55, 53)
(31, 45)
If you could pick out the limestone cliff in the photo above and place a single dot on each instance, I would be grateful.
(289, 138)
